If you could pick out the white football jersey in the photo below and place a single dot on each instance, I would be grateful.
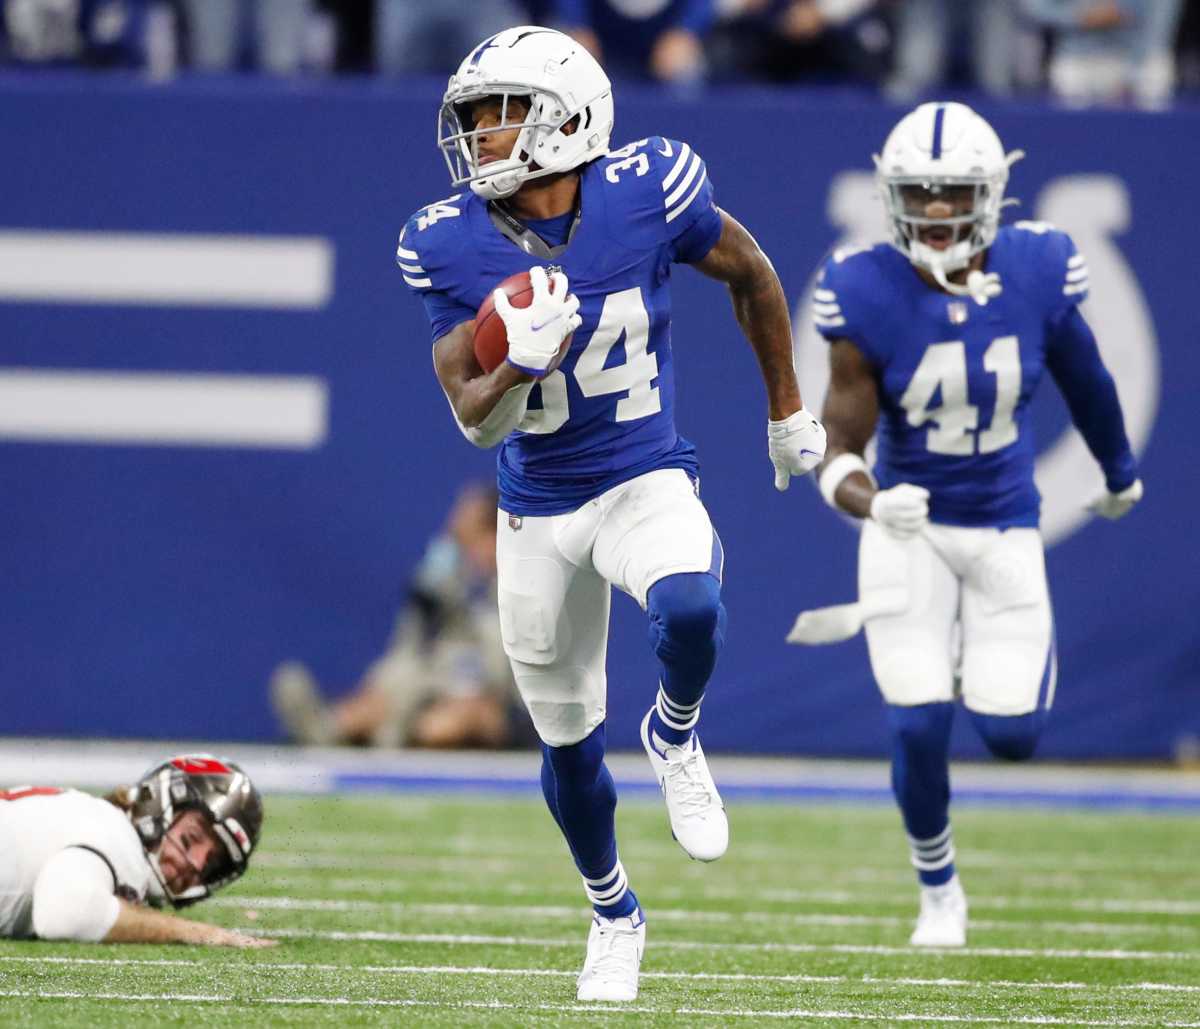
(36, 823)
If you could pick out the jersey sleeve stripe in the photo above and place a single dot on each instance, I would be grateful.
(695, 166)
(824, 294)
(418, 283)
(1077, 274)
(685, 152)
(827, 307)
(407, 255)
(1075, 261)
(829, 323)
(672, 215)
(1079, 287)
(416, 269)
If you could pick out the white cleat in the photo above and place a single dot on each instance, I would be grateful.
(694, 806)
(614, 955)
(943, 918)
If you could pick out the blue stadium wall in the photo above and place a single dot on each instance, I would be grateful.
(149, 585)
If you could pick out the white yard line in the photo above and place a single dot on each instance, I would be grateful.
(378, 843)
(496, 1005)
(481, 970)
(381, 876)
(552, 911)
(376, 936)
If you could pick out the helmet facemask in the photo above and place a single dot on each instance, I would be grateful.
(970, 227)
(539, 140)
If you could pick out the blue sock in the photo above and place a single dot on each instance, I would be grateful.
(582, 798)
(921, 783)
(687, 628)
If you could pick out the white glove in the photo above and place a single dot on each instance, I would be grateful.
(796, 445)
(902, 511)
(536, 333)
(1116, 505)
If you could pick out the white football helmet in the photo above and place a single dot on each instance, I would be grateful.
(558, 79)
(944, 150)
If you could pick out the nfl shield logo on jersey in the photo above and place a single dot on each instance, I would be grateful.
(957, 310)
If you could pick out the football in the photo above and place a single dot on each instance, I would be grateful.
(491, 339)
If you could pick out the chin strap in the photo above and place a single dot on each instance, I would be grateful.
(981, 286)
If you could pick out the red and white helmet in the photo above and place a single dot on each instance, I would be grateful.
(213, 786)
(935, 148)
(558, 79)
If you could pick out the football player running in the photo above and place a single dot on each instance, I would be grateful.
(937, 343)
(597, 489)
(78, 867)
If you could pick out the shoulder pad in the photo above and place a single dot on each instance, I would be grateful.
(842, 296)
(431, 239)
(661, 180)
(1051, 255)
(682, 175)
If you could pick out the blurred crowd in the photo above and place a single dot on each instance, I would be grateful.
(1138, 52)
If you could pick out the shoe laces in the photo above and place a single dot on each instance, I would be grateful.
(616, 951)
(689, 784)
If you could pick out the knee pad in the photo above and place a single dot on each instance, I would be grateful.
(565, 702)
(686, 615)
(1013, 738)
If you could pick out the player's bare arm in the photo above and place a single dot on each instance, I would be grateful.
(761, 309)
(472, 392)
(795, 439)
(138, 924)
(850, 413)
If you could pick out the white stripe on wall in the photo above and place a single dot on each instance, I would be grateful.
(145, 268)
(267, 411)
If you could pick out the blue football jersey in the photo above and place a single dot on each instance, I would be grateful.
(955, 377)
(607, 413)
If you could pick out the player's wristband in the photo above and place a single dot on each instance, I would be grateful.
(837, 470)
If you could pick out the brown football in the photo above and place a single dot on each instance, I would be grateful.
(491, 339)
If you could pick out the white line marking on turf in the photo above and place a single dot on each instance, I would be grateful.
(301, 871)
(376, 936)
(870, 980)
(458, 846)
(677, 915)
(497, 1005)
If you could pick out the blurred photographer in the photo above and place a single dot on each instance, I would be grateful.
(444, 680)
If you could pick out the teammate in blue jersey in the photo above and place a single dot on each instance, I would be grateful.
(596, 486)
(937, 343)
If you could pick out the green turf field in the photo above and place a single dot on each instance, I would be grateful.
(436, 911)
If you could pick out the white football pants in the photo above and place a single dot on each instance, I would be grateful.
(978, 608)
(555, 575)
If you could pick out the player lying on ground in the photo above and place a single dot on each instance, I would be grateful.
(596, 486)
(937, 344)
(78, 867)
